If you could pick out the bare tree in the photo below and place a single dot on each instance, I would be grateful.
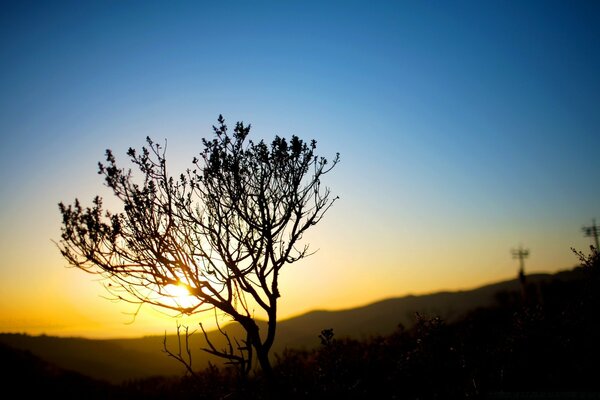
(222, 230)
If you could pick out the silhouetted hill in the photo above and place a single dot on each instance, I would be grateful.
(117, 360)
(24, 375)
(111, 360)
(383, 317)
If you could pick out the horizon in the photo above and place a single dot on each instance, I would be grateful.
(465, 130)
(302, 313)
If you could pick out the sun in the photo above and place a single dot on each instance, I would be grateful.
(178, 296)
(176, 291)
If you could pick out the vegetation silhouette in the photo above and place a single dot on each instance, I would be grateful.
(142, 357)
(222, 231)
(545, 343)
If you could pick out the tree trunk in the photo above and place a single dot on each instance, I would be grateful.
(262, 351)
(262, 355)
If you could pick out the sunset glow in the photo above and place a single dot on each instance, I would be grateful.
(464, 129)
(179, 296)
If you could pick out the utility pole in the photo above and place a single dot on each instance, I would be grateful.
(521, 254)
(592, 231)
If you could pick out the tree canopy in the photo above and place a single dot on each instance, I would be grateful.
(223, 229)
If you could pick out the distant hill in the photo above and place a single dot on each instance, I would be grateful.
(111, 360)
(383, 317)
(24, 375)
(117, 360)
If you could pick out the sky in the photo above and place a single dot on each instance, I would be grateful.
(465, 129)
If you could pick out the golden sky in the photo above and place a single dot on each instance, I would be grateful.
(464, 130)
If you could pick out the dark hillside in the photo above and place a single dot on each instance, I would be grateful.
(541, 342)
(101, 359)
(383, 317)
(117, 360)
(26, 376)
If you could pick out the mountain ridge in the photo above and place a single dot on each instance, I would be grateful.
(118, 360)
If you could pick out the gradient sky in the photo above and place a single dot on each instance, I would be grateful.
(465, 129)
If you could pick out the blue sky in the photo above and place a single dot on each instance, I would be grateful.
(465, 128)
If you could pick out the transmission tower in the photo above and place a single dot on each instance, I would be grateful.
(592, 231)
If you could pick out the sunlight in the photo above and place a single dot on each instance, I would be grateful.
(176, 291)
(178, 296)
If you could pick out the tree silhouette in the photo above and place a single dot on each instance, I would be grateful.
(223, 230)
